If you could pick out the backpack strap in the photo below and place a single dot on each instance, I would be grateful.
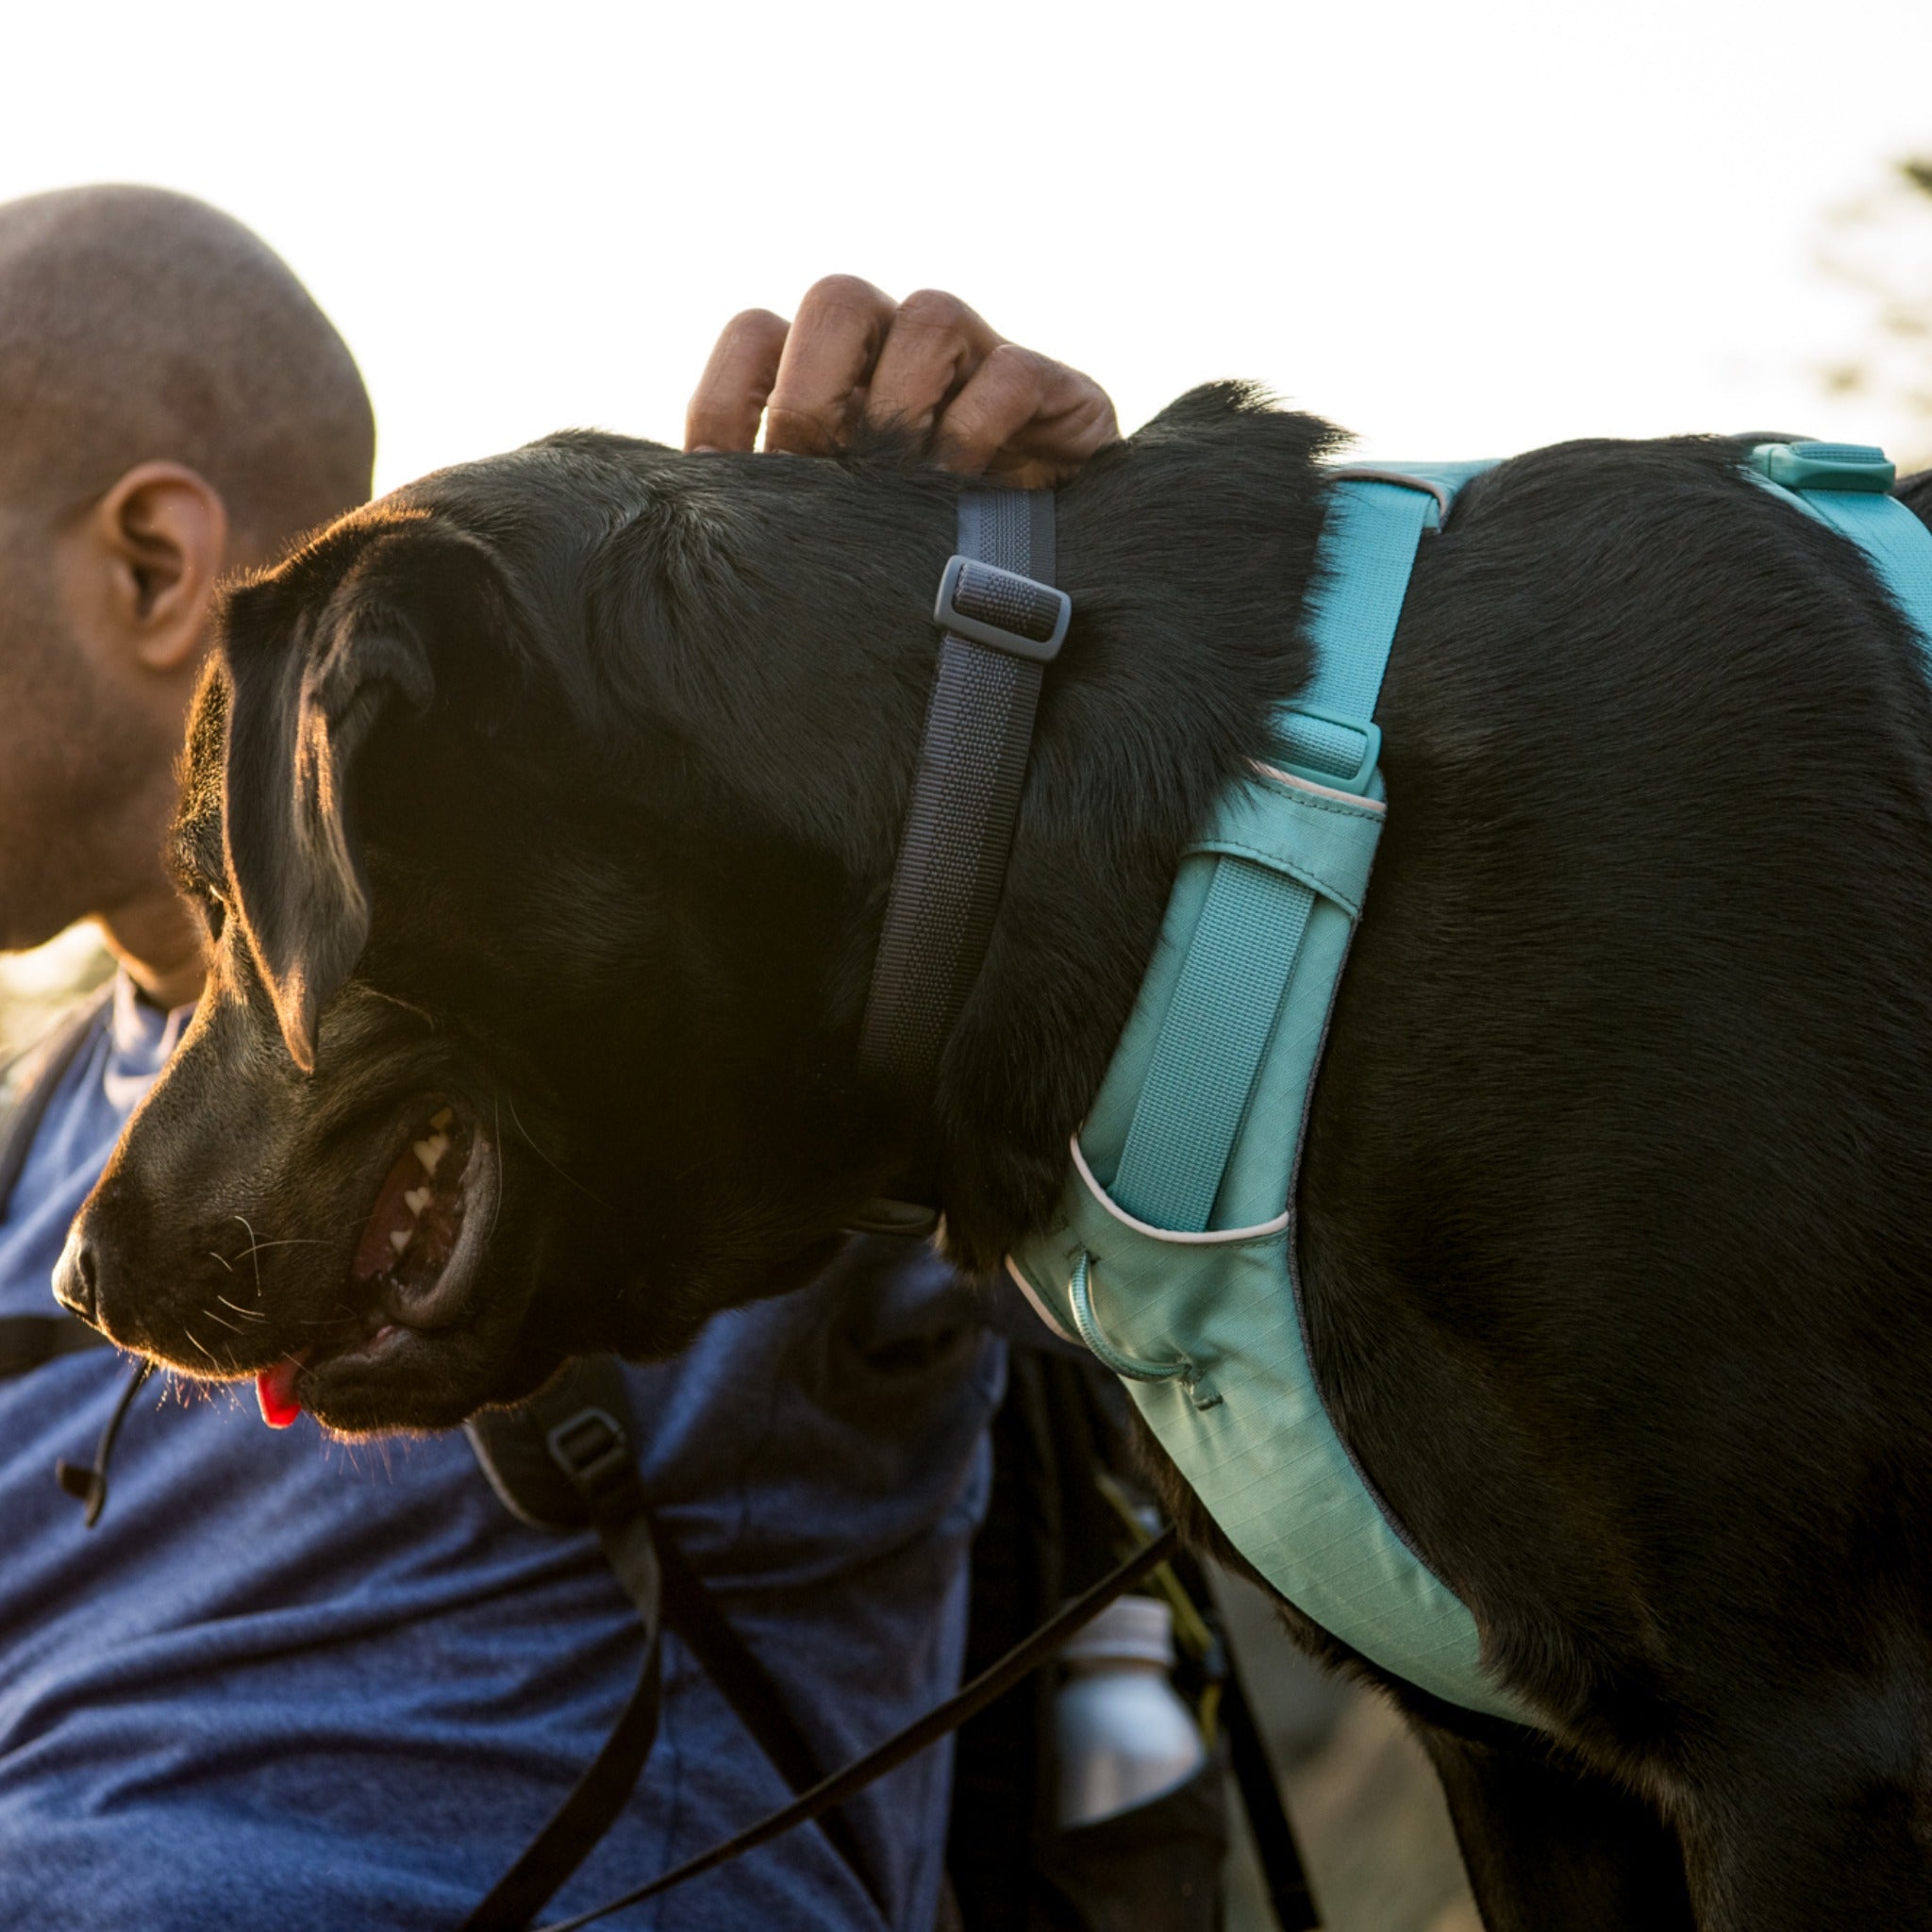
(564, 1461)
(27, 1084)
(561, 1462)
(28, 1078)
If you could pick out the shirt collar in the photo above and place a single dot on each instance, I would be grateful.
(140, 1039)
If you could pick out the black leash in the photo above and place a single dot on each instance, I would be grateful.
(906, 1744)
(1279, 1856)
(1002, 623)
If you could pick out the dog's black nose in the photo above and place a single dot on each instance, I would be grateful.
(76, 1278)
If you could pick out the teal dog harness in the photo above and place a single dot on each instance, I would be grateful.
(1173, 1255)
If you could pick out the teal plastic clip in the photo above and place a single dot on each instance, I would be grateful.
(1824, 466)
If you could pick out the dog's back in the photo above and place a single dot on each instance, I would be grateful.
(1614, 1227)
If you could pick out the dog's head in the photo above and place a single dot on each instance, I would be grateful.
(524, 1017)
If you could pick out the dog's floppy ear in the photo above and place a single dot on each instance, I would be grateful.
(300, 710)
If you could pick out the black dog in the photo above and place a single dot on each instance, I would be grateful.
(544, 813)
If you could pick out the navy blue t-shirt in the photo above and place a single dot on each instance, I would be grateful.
(296, 1683)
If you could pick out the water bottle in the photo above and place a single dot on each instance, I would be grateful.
(1123, 1735)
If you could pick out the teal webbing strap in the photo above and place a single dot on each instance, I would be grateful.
(1211, 1045)
(1243, 951)
(1847, 486)
(1899, 546)
(1368, 550)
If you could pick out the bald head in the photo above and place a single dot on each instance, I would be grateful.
(137, 326)
(172, 404)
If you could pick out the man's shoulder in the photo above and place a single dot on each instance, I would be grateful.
(30, 1073)
(25, 1065)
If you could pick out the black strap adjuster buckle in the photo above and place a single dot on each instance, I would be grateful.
(591, 1449)
(1000, 607)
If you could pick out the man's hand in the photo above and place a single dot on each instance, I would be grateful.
(929, 364)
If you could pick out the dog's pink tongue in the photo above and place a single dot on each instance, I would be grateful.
(274, 1390)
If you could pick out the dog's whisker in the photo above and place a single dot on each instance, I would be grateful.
(221, 1321)
(251, 1314)
(587, 1192)
(253, 1237)
(496, 1205)
(200, 1344)
(213, 1257)
(423, 1013)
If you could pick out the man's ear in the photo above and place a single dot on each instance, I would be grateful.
(299, 718)
(164, 529)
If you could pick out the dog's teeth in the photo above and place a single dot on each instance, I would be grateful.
(399, 1239)
(418, 1199)
(442, 1120)
(430, 1152)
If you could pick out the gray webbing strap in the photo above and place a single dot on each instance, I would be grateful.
(28, 1083)
(1001, 624)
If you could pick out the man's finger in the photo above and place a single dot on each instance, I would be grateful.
(1025, 420)
(731, 394)
(828, 357)
(933, 345)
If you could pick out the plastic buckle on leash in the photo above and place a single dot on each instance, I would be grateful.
(593, 1449)
(1860, 466)
(1320, 740)
(1002, 609)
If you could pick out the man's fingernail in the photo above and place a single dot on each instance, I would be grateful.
(704, 449)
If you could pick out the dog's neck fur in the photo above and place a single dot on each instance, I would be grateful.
(1179, 549)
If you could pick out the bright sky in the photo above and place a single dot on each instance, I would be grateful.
(1457, 228)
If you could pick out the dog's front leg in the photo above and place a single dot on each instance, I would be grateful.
(1811, 1812)
(1549, 1849)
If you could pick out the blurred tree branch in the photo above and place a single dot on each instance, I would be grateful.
(1880, 244)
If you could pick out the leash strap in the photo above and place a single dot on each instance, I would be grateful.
(905, 1744)
(1001, 624)
(1290, 1894)
(1251, 924)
